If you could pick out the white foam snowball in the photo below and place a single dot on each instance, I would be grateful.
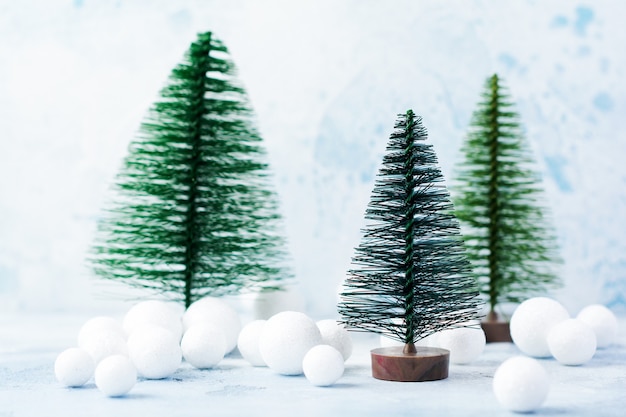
(602, 321)
(159, 313)
(99, 325)
(203, 345)
(464, 343)
(285, 339)
(74, 367)
(323, 365)
(218, 312)
(336, 335)
(115, 376)
(572, 342)
(248, 342)
(521, 384)
(154, 351)
(103, 344)
(531, 323)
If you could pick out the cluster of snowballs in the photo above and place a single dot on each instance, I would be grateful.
(542, 328)
(155, 336)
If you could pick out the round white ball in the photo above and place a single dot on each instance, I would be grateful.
(531, 322)
(521, 384)
(464, 343)
(103, 344)
(602, 321)
(336, 335)
(323, 365)
(218, 312)
(572, 342)
(74, 367)
(154, 351)
(286, 338)
(115, 376)
(98, 325)
(203, 345)
(158, 313)
(248, 342)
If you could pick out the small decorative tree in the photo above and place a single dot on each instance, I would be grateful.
(497, 200)
(195, 214)
(411, 277)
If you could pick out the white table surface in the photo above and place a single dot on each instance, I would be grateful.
(29, 345)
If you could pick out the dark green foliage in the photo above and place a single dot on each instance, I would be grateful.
(411, 277)
(195, 215)
(510, 246)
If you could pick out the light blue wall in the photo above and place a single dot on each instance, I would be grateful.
(326, 79)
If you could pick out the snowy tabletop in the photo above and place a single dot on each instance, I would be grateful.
(30, 344)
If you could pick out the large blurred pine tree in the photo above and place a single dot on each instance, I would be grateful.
(499, 202)
(195, 214)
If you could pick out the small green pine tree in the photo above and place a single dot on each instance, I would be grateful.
(497, 200)
(195, 214)
(411, 277)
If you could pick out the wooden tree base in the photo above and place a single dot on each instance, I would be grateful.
(425, 364)
(496, 331)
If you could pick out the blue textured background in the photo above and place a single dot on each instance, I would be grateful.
(326, 79)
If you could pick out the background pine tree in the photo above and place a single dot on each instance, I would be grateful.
(498, 202)
(194, 214)
(411, 277)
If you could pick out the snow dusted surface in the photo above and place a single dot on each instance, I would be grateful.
(326, 79)
(29, 345)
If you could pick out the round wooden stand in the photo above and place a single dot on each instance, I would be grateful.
(423, 364)
(496, 331)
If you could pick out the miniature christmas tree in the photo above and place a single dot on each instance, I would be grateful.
(498, 195)
(411, 277)
(195, 215)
